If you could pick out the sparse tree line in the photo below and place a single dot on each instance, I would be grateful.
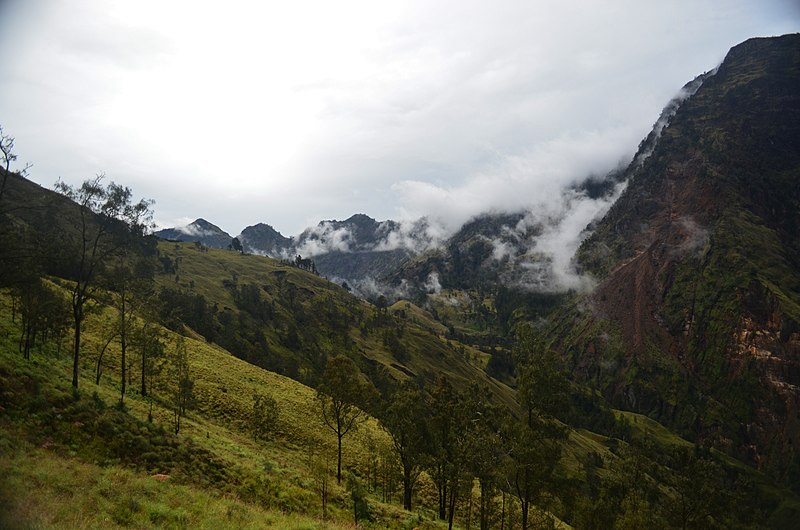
(95, 254)
(459, 439)
(483, 465)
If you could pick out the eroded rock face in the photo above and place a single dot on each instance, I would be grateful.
(695, 319)
(769, 340)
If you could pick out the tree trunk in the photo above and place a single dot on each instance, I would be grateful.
(469, 511)
(524, 506)
(123, 344)
(144, 368)
(503, 513)
(485, 504)
(452, 506)
(407, 487)
(77, 313)
(442, 487)
(339, 459)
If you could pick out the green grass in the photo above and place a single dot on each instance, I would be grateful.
(70, 493)
(53, 454)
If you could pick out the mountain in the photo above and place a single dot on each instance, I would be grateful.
(265, 240)
(354, 249)
(696, 320)
(199, 230)
(357, 233)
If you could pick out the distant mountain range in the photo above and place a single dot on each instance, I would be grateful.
(352, 249)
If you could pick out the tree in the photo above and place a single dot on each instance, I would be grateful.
(358, 495)
(534, 449)
(534, 443)
(542, 383)
(341, 389)
(107, 219)
(484, 446)
(236, 245)
(7, 156)
(319, 469)
(183, 384)
(404, 420)
(265, 416)
(19, 258)
(449, 427)
(132, 278)
(147, 340)
(41, 310)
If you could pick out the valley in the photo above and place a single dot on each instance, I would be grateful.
(368, 374)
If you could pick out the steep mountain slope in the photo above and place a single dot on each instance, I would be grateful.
(200, 230)
(697, 319)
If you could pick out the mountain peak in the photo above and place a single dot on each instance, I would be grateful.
(198, 230)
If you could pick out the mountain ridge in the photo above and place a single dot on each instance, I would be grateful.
(698, 304)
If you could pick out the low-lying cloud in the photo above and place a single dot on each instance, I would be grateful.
(323, 239)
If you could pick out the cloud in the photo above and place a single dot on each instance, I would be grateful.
(287, 111)
(322, 239)
(194, 230)
(416, 236)
(648, 145)
(563, 234)
(534, 180)
(432, 284)
(695, 238)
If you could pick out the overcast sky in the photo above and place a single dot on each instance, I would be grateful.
(291, 112)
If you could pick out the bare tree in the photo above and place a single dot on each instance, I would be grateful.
(7, 156)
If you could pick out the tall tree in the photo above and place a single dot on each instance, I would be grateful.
(484, 447)
(147, 341)
(182, 383)
(534, 443)
(342, 389)
(131, 276)
(534, 449)
(106, 220)
(19, 259)
(449, 427)
(404, 420)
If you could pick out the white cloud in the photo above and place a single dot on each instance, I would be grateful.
(323, 238)
(251, 112)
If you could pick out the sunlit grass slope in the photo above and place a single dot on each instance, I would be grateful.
(80, 462)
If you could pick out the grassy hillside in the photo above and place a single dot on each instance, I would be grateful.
(301, 319)
(87, 464)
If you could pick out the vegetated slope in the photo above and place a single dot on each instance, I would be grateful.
(288, 320)
(76, 460)
(697, 319)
